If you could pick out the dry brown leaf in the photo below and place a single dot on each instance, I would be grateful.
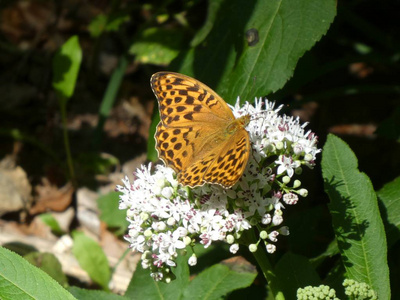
(366, 130)
(15, 189)
(52, 198)
(239, 264)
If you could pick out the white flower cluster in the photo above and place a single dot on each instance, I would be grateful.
(165, 216)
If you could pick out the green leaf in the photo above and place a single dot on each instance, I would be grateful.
(142, 286)
(234, 67)
(96, 163)
(91, 258)
(110, 214)
(21, 280)
(66, 64)
(48, 263)
(94, 294)
(107, 23)
(97, 25)
(330, 251)
(295, 271)
(213, 9)
(50, 221)
(356, 219)
(109, 98)
(390, 199)
(219, 280)
(115, 20)
(157, 46)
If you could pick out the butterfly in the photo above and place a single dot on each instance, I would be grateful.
(198, 136)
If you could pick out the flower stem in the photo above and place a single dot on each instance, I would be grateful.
(262, 259)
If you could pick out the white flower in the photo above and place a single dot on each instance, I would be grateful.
(286, 164)
(271, 248)
(277, 219)
(192, 260)
(266, 219)
(273, 236)
(290, 198)
(234, 248)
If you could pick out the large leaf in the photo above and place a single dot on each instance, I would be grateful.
(254, 46)
(91, 258)
(21, 280)
(356, 219)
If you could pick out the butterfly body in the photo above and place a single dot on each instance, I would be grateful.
(198, 135)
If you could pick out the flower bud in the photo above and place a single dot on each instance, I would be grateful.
(252, 247)
(187, 240)
(298, 171)
(171, 221)
(286, 179)
(279, 145)
(308, 157)
(230, 239)
(296, 183)
(263, 234)
(303, 192)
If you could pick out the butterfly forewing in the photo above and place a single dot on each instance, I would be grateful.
(184, 99)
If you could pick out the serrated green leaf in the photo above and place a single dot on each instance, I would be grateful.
(356, 219)
(21, 280)
(218, 281)
(50, 221)
(390, 198)
(66, 64)
(157, 46)
(48, 263)
(91, 258)
(286, 30)
(110, 214)
(83, 294)
(142, 286)
(233, 67)
(295, 271)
